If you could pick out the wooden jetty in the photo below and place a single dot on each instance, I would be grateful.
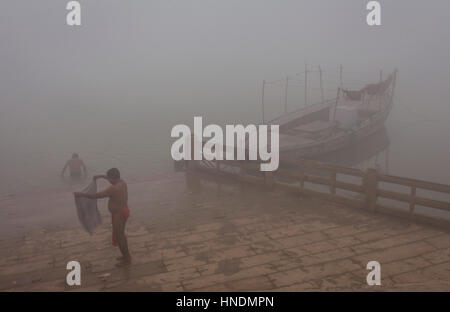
(366, 189)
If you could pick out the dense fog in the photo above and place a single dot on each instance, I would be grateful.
(112, 88)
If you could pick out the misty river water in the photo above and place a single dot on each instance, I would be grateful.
(112, 89)
(36, 142)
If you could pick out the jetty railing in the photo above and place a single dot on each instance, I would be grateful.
(327, 181)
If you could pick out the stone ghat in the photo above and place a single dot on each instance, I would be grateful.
(223, 237)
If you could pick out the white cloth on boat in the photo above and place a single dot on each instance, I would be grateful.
(87, 210)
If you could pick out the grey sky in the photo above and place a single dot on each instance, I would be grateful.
(135, 68)
(161, 45)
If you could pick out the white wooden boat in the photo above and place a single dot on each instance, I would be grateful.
(328, 126)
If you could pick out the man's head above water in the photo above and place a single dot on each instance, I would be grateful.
(113, 175)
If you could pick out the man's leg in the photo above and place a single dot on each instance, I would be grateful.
(121, 239)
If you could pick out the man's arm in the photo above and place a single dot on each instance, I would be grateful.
(104, 194)
(100, 176)
(64, 169)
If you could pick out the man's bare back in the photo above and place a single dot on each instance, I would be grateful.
(76, 167)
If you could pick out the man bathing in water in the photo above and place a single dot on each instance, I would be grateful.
(118, 206)
(76, 166)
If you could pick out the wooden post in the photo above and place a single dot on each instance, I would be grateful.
(333, 182)
(306, 85)
(335, 105)
(386, 155)
(412, 202)
(286, 95)
(262, 101)
(301, 176)
(241, 168)
(321, 84)
(190, 164)
(371, 186)
(223, 147)
(379, 93)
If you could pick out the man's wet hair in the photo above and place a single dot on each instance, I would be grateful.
(113, 173)
(75, 155)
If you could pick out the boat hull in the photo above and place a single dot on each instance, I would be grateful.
(341, 140)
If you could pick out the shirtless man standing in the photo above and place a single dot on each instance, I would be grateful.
(118, 206)
(76, 166)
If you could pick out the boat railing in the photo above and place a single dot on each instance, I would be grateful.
(364, 189)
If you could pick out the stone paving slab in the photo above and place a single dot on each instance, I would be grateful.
(224, 237)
